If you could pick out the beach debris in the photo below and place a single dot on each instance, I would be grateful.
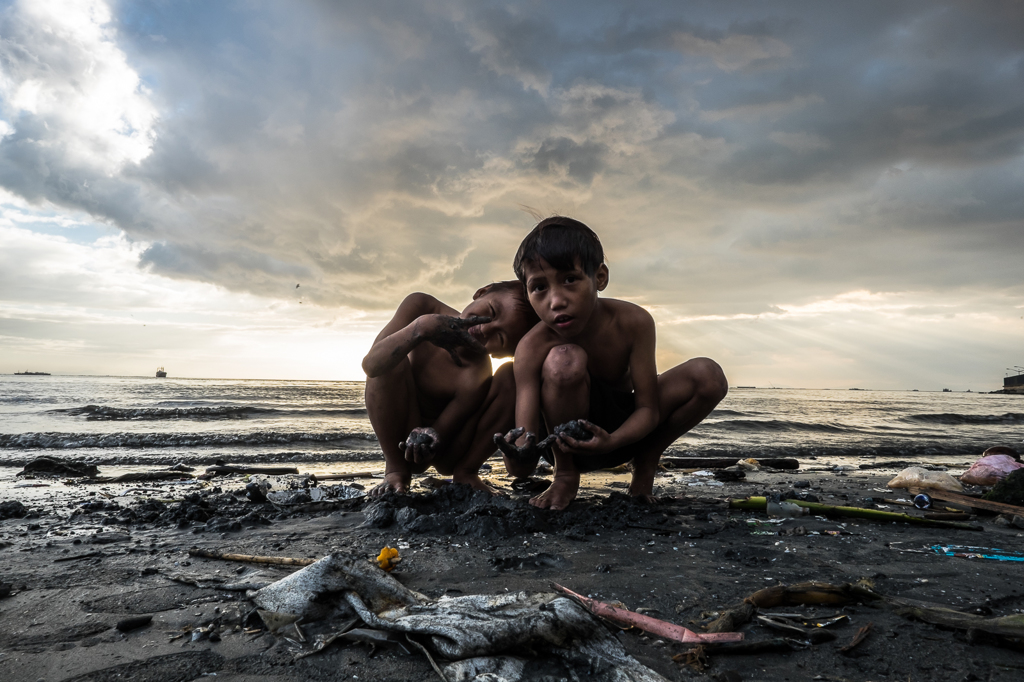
(388, 558)
(12, 509)
(785, 625)
(994, 465)
(778, 508)
(256, 491)
(275, 620)
(341, 477)
(574, 429)
(1008, 630)
(675, 462)
(652, 625)
(922, 501)
(433, 482)
(697, 657)
(1010, 490)
(458, 634)
(970, 552)
(861, 635)
(164, 475)
(225, 470)
(133, 623)
(919, 477)
(5, 590)
(530, 485)
(760, 504)
(811, 593)
(249, 558)
(53, 466)
(181, 466)
(959, 500)
(730, 474)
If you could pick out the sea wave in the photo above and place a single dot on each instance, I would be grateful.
(777, 426)
(201, 412)
(53, 440)
(955, 419)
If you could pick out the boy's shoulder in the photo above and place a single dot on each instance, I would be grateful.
(624, 312)
(419, 303)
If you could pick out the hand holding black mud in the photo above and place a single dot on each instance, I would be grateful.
(421, 445)
(450, 333)
(574, 429)
(530, 450)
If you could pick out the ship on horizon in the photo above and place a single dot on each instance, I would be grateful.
(160, 373)
(27, 373)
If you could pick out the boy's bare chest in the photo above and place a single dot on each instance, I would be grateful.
(437, 377)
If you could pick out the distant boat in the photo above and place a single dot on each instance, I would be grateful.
(31, 374)
(946, 390)
(160, 373)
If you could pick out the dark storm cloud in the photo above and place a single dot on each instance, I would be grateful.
(752, 151)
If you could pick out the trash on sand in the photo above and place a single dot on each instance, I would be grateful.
(994, 465)
(133, 623)
(670, 462)
(922, 501)
(249, 558)
(256, 491)
(1010, 490)
(778, 508)
(969, 552)
(861, 635)
(313, 499)
(656, 627)
(388, 558)
(919, 477)
(475, 634)
(977, 503)
(760, 504)
(164, 475)
(790, 595)
(697, 657)
(792, 629)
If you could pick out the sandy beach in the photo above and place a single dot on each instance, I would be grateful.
(76, 571)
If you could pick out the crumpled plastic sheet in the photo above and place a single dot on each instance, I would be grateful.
(483, 637)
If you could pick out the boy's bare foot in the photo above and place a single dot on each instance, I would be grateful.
(561, 493)
(474, 481)
(397, 482)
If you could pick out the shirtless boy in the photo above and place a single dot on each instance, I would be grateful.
(429, 389)
(592, 359)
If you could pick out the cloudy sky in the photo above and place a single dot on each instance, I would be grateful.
(814, 194)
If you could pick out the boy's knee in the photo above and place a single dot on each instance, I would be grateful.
(565, 365)
(712, 383)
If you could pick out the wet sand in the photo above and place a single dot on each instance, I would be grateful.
(76, 572)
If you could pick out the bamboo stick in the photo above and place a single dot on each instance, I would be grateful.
(761, 503)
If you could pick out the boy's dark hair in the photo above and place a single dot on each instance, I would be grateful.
(516, 287)
(563, 243)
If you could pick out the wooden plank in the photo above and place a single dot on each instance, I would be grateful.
(670, 462)
(967, 501)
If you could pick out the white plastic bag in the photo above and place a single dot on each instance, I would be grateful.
(917, 477)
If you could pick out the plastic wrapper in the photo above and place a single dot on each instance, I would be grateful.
(918, 477)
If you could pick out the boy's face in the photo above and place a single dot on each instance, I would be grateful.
(507, 326)
(564, 299)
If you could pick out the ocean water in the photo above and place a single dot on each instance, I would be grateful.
(141, 420)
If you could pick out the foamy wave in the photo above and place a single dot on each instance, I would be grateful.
(954, 419)
(201, 412)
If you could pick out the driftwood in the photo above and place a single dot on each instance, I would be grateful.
(790, 595)
(968, 501)
(343, 477)
(761, 504)
(250, 558)
(225, 470)
(861, 635)
(141, 476)
(725, 462)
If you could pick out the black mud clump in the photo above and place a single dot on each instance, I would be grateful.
(1010, 490)
(12, 510)
(52, 466)
(574, 429)
(460, 510)
(213, 512)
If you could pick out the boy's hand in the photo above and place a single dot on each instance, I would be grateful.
(421, 445)
(599, 442)
(529, 450)
(450, 333)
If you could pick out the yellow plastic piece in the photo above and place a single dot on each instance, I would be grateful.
(388, 558)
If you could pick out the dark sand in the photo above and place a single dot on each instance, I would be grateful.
(681, 561)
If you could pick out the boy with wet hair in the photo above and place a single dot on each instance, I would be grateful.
(430, 393)
(587, 375)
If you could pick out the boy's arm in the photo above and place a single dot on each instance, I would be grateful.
(417, 320)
